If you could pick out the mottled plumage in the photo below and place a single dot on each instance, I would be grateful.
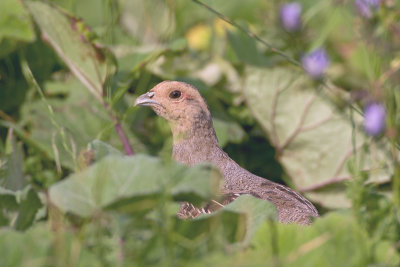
(195, 141)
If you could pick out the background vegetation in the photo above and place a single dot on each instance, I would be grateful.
(306, 95)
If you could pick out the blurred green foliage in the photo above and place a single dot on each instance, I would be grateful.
(70, 71)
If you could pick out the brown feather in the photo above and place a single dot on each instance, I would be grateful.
(195, 141)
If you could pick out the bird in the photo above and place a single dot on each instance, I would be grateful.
(195, 141)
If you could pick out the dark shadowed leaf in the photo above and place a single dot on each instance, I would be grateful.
(19, 208)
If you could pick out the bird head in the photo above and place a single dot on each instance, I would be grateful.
(175, 101)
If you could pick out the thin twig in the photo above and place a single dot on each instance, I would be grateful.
(249, 33)
(120, 131)
(283, 54)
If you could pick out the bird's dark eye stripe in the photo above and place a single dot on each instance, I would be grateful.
(175, 94)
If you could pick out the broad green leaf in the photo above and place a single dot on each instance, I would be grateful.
(71, 39)
(115, 178)
(334, 240)
(256, 211)
(312, 139)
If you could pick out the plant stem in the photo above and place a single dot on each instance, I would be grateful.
(248, 32)
(120, 131)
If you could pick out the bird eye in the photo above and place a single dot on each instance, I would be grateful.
(175, 94)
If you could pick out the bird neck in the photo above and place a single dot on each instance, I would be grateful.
(194, 139)
(196, 127)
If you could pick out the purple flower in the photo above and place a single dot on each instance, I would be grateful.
(290, 16)
(315, 63)
(366, 7)
(374, 118)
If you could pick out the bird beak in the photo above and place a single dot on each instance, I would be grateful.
(146, 100)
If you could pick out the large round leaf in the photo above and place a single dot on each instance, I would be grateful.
(313, 139)
(115, 178)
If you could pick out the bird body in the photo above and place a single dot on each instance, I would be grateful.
(195, 141)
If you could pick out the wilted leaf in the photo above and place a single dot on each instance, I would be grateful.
(70, 38)
(313, 140)
(114, 178)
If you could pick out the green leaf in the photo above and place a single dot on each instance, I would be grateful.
(256, 211)
(334, 240)
(28, 208)
(312, 138)
(12, 176)
(228, 131)
(101, 150)
(70, 38)
(115, 178)
(18, 208)
(245, 49)
(40, 246)
(8, 204)
(85, 121)
(15, 26)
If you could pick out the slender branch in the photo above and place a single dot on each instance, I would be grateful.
(120, 131)
(286, 56)
(248, 32)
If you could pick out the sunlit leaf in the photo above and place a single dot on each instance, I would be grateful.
(15, 26)
(314, 141)
(70, 38)
(114, 178)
